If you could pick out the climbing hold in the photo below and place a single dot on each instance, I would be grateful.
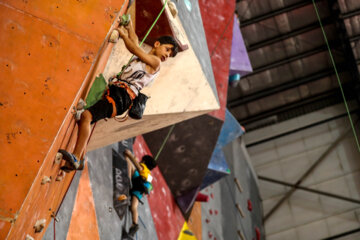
(216, 212)
(202, 198)
(79, 109)
(210, 211)
(249, 205)
(122, 197)
(45, 180)
(238, 184)
(212, 195)
(125, 19)
(28, 237)
(234, 80)
(60, 176)
(173, 9)
(58, 158)
(114, 36)
(207, 220)
(241, 235)
(39, 225)
(188, 232)
(240, 210)
(257, 231)
(81, 104)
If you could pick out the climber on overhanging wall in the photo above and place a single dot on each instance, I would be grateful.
(141, 179)
(124, 91)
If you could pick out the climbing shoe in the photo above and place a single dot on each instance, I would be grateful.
(72, 163)
(133, 229)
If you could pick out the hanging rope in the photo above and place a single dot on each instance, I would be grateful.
(165, 140)
(337, 75)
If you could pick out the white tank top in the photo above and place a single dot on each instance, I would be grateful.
(137, 76)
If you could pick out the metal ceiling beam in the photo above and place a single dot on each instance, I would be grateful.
(290, 59)
(341, 235)
(307, 173)
(274, 13)
(282, 87)
(332, 94)
(300, 129)
(350, 14)
(354, 38)
(327, 194)
(326, 21)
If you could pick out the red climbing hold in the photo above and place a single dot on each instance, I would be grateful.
(202, 198)
(257, 231)
(212, 196)
(207, 220)
(249, 205)
(216, 212)
(210, 235)
(210, 211)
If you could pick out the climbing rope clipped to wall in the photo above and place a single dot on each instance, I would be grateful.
(337, 74)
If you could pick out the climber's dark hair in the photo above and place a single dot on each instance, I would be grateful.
(169, 40)
(149, 162)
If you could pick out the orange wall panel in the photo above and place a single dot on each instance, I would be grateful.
(47, 49)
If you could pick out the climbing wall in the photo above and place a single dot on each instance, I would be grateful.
(185, 87)
(218, 167)
(240, 62)
(91, 210)
(166, 215)
(235, 198)
(192, 142)
(47, 52)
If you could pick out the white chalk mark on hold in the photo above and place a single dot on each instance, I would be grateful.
(163, 191)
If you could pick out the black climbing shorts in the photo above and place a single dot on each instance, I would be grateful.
(103, 109)
(100, 110)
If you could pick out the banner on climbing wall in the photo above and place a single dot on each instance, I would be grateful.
(121, 179)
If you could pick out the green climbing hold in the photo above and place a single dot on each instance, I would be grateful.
(125, 19)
